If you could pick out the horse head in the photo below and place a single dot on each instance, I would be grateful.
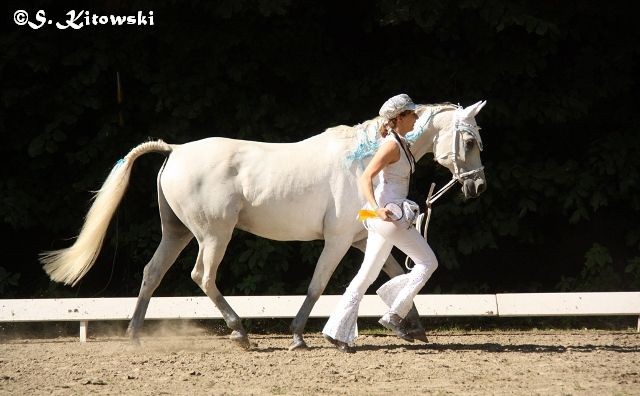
(457, 145)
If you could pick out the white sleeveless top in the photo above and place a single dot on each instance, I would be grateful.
(393, 179)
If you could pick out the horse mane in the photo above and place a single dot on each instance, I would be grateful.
(367, 133)
(371, 127)
(437, 107)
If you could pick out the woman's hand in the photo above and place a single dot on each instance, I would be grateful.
(384, 214)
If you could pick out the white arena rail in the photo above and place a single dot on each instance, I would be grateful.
(85, 310)
(575, 304)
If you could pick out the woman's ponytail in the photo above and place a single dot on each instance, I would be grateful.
(387, 126)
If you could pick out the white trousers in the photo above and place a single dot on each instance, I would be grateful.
(398, 293)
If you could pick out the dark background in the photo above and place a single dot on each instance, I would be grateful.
(560, 131)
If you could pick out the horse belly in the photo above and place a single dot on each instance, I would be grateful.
(283, 221)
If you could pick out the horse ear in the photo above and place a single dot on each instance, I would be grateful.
(474, 109)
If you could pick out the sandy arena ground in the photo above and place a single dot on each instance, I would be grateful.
(580, 362)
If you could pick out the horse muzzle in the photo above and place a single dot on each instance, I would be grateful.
(473, 187)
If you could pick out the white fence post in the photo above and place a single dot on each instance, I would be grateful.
(83, 330)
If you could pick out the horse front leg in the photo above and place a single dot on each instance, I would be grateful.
(333, 251)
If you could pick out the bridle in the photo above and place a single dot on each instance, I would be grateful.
(459, 127)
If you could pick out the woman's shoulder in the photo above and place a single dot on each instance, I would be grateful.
(389, 143)
(391, 138)
(388, 138)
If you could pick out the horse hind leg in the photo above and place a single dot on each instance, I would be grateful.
(172, 243)
(175, 237)
(204, 275)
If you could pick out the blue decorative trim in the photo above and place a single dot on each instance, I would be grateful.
(367, 147)
(364, 148)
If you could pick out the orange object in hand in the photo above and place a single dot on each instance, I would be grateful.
(364, 214)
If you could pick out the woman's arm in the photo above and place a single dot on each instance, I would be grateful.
(387, 154)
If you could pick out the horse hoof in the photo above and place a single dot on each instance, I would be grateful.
(298, 344)
(240, 339)
(135, 341)
(134, 338)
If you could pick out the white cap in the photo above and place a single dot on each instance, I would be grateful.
(396, 105)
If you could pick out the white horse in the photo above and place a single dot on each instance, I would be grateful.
(281, 191)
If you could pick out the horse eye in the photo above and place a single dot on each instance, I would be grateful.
(468, 145)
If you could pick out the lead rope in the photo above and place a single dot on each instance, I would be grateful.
(429, 201)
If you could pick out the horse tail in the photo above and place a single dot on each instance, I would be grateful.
(71, 264)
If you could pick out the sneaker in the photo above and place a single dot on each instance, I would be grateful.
(340, 345)
(395, 323)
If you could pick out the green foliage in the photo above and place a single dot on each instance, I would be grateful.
(633, 273)
(250, 266)
(598, 273)
(559, 130)
(8, 282)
